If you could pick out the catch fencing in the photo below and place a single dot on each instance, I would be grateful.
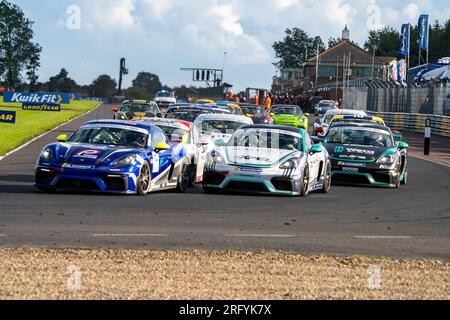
(440, 125)
(431, 100)
(404, 108)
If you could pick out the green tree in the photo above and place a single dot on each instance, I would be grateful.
(17, 49)
(104, 86)
(136, 93)
(61, 82)
(291, 51)
(386, 41)
(148, 81)
(333, 41)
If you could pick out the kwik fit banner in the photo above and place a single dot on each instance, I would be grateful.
(37, 98)
(404, 40)
(423, 31)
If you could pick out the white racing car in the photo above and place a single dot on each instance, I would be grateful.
(220, 126)
(268, 159)
(321, 125)
(187, 134)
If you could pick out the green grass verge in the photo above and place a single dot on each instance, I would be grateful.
(30, 124)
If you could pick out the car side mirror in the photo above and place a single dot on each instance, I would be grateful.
(306, 114)
(318, 121)
(115, 109)
(402, 145)
(316, 149)
(159, 115)
(62, 138)
(162, 146)
(272, 114)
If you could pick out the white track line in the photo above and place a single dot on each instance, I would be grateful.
(261, 235)
(47, 132)
(131, 235)
(382, 237)
(429, 160)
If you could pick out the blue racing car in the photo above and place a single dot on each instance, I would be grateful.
(115, 157)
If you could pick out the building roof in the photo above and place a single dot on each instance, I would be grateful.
(358, 55)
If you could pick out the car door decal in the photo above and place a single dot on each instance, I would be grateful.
(155, 162)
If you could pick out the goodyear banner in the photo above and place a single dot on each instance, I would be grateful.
(41, 107)
(37, 98)
(423, 31)
(404, 40)
(7, 116)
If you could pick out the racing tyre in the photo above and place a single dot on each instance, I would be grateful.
(144, 180)
(405, 178)
(210, 190)
(46, 190)
(184, 178)
(192, 173)
(304, 191)
(327, 179)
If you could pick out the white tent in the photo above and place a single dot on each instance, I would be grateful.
(435, 74)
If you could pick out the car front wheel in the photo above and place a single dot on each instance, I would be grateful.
(144, 180)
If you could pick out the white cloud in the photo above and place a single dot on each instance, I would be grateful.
(412, 11)
(115, 14)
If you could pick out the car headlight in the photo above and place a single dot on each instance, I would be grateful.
(125, 162)
(47, 154)
(289, 164)
(387, 159)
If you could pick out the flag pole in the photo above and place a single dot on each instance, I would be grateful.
(428, 40)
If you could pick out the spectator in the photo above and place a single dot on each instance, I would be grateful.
(268, 102)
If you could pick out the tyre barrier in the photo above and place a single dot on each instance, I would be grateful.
(440, 125)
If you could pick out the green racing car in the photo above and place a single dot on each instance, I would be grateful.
(366, 154)
(289, 115)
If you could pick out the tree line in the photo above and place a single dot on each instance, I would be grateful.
(297, 45)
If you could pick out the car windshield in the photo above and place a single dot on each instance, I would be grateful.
(236, 111)
(253, 110)
(164, 95)
(266, 139)
(327, 104)
(186, 114)
(360, 136)
(295, 111)
(208, 126)
(138, 108)
(110, 136)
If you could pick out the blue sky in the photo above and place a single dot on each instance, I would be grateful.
(161, 36)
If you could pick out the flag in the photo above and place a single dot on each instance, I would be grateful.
(404, 40)
(423, 31)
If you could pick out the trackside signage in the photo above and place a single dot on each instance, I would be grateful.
(7, 116)
(41, 107)
(37, 98)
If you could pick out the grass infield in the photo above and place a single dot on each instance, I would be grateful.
(30, 124)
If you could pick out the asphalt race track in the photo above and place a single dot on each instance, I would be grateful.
(413, 221)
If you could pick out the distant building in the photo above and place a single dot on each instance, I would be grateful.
(344, 61)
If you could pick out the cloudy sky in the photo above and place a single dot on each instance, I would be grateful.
(161, 36)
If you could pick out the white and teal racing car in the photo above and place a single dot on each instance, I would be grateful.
(268, 159)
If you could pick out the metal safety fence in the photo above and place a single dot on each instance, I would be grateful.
(440, 125)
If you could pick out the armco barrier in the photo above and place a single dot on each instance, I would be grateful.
(440, 125)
